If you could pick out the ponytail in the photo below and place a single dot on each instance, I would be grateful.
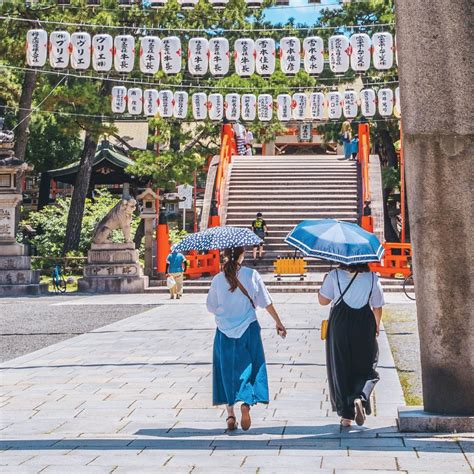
(232, 266)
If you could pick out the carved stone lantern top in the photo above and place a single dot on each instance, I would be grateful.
(148, 198)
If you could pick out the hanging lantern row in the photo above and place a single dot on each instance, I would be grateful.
(186, 4)
(80, 50)
(249, 107)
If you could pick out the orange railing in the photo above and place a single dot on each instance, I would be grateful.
(228, 148)
(198, 264)
(366, 221)
(396, 260)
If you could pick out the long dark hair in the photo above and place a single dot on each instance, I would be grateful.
(232, 266)
(357, 267)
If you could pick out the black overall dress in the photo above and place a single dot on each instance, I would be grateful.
(351, 354)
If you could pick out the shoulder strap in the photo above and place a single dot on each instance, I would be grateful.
(347, 287)
(371, 288)
(245, 292)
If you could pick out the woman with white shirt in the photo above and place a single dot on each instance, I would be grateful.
(351, 344)
(239, 369)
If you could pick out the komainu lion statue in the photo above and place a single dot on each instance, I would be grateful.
(119, 217)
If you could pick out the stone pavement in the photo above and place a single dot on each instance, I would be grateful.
(135, 396)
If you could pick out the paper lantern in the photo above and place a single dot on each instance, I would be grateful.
(102, 52)
(171, 55)
(265, 107)
(284, 107)
(135, 101)
(198, 56)
(219, 56)
(368, 103)
(385, 102)
(199, 105)
(93, 3)
(350, 104)
(36, 48)
(125, 3)
(81, 45)
(244, 51)
(254, 3)
(265, 56)
(382, 44)
(339, 54)
(249, 107)
(334, 100)
(150, 102)
(124, 53)
(282, 3)
(188, 3)
(215, 103)
(155, 4)
(180, 105)
(218, 3)
(165, 104)
(398, 105)
(316, 105)
(360, 52)
(59, 49)
(119, 99)
(298, 105)
(290, 55)
(150, 51)
(232, 107)
(313, 54)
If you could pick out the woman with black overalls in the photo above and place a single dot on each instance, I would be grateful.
(351, 344)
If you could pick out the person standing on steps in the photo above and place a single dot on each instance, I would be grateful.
(355, 147)
(260, 228)
(239, 369)
(175, 267)
(346, 137)
(351, 343)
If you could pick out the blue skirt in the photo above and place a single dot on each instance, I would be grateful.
(239, 369)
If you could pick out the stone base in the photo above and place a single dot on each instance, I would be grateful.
(8, 249)
(112, 284)
(416, 420)
(16, 276)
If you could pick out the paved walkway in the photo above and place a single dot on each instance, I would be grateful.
(135, 396)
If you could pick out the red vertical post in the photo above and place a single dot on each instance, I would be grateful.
(163, 244)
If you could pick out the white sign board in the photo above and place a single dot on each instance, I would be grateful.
(185, 191)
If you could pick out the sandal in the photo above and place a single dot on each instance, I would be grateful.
(245, 421)
(231, 423)
(346, 422)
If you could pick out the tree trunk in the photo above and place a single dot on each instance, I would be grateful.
(26, 99)
(81, 187)
(139, 234)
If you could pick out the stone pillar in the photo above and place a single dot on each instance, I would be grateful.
(434, 42)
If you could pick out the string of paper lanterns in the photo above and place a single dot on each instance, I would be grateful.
(248, 107)
(103, 52)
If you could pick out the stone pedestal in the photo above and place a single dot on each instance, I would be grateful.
(113, 268)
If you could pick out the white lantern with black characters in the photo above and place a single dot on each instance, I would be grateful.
(165, 104)
(299, 104)
(36, 48)
(382, 47)
(249, 107)
(265, 107)
(199, 105)
(119, 99)
(290, 55)
(188, 3)
(150, 51)
(350, 104)
(171, 55)
(135, 101)
(334, 101)
(81, 45)
(102, 52)
(124, 53)
(360, 48)
(284, 107)
(265, 52)
(339, 54)
(218, 3)
(219, 56)
(180, 105)
(198, 56)
(216, 106)
(59, 49)
(254, 3)
(232, 107)
(244, 52)
(150, 102)
(313, 55)
(316, 105)
(368, 102)
(385, 102)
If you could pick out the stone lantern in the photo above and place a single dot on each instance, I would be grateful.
(148, 213)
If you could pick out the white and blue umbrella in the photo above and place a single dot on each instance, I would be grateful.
(219, 238)
(336, 241)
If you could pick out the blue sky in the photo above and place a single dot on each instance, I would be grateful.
(300, 10)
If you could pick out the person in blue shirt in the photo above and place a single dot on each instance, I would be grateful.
(175, 267)
(355, 147)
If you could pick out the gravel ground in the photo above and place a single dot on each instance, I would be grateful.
(29, 324)
(402, 331)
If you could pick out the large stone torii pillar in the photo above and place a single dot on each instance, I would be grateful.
(434, 43)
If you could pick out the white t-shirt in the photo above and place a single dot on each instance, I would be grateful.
(358, 294)
(233, 311)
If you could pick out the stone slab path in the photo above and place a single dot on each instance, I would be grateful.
(135, 396)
